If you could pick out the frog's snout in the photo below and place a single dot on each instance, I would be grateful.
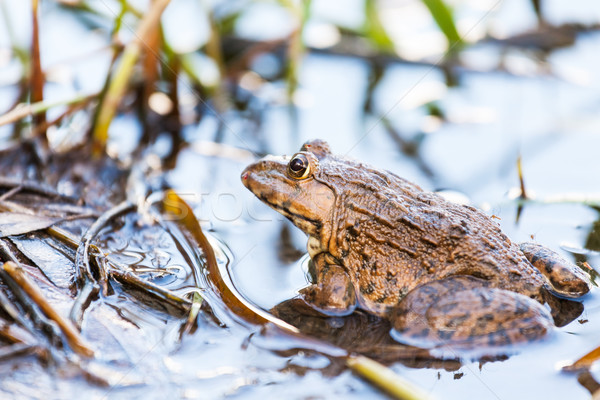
(244, 177)
(253, 177)
(265, 173)
(248, 174)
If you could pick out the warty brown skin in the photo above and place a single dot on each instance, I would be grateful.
(387, 237)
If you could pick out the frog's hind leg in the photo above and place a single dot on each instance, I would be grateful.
(463, 311)
(565, 278)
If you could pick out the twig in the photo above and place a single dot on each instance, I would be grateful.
(102, 269)
(12, 333)
(65, 237)
(591, 200)
(84, 298)
(585, 361)
(159, 292)
(10, 193)
(33, 187)
(85, 277)
(71, 334)
(25, 110)
(39, 321)
(42, 128)
(9, 308)
(82, 261)
(18, 350)
(523, 195)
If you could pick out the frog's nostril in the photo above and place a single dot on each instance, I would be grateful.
(245, 176)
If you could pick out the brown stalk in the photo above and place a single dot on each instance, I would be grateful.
(19, 350)
(71, 334)
(523, 196)
(89, 286)
(12, 333)
(129, 278)
(585, 361)
(37, 76)
(150, 62)
(521, 179)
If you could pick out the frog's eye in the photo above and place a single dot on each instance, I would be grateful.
(299, 167)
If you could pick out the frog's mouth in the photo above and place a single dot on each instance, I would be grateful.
(305, 203)
(281, 203)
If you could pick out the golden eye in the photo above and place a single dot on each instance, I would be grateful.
(299, 167)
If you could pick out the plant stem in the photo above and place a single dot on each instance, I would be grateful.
(118, 84)
(385, 378)
(26, 110)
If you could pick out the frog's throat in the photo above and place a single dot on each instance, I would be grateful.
(314, 246)
(327, 241)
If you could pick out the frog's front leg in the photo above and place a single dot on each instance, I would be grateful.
(463, 311)
(565, 278)
(332, 293)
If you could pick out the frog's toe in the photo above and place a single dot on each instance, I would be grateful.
(565, 278)
(472, 317)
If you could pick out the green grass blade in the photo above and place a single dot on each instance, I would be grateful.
(120, 80)
(442, 14)
(374, 30)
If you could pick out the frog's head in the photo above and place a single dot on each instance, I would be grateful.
(288, 185)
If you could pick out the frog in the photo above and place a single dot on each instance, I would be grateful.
(441, 272)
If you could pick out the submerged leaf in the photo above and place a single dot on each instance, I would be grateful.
(19, 223)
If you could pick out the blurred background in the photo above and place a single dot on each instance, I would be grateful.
(448, 94)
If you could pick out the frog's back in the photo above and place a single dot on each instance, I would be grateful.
(392, 236)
